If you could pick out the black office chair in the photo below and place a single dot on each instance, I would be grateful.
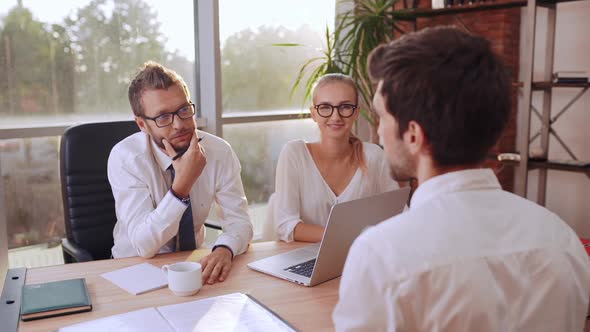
(89, 206)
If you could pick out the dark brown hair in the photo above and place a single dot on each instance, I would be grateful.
(450, 83)
(152, 76)
(358, 155)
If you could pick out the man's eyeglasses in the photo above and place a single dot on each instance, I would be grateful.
(166, 119)
(344, 110)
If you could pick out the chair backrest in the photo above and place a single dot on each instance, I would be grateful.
(89, 206)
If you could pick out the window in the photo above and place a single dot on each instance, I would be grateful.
(256, 81)
(72, 63)
(30, 176)
(256, 74)
(258, 146)
(65, 64)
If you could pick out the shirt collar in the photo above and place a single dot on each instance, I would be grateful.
(464, 180)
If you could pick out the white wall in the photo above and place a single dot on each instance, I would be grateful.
(568, 194)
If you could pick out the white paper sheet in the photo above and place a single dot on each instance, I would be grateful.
(231, 312)
(138, 279)
(135, 321)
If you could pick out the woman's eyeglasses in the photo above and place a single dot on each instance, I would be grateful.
(344, 110)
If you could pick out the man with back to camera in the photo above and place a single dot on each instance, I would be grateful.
(466, 256)
(166, 177)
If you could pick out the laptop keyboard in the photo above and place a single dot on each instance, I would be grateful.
(303, 269)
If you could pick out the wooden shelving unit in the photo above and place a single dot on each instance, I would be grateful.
(544, 87)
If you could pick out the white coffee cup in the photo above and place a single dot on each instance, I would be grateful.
(184, 278)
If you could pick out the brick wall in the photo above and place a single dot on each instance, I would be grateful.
(502, 28)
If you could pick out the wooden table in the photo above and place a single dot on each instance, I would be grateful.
(306, 308)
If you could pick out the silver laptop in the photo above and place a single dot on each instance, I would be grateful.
(323, 261)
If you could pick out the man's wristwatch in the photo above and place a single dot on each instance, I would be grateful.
(184, 200)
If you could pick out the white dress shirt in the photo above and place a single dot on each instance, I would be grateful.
(148, 214)
(302, 194)
(466, 256)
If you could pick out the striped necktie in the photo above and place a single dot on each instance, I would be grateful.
(186, 229)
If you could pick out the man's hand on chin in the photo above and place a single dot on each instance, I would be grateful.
(216, 265)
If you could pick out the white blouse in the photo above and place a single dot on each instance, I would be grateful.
(302, 194)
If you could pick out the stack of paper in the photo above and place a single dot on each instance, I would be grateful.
(138, 279)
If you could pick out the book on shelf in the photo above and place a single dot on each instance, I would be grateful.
(457, 3)
(574, 80)
(231, 312)
(438, 4)
(571, 76)
(55, 298)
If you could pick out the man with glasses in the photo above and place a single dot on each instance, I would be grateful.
(166, 178)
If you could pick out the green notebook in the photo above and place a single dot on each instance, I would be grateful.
(54, 299)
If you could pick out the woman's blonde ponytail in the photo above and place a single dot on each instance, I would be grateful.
(358, 155)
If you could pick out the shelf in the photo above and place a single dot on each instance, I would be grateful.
(580, 167)
(560, 166)
(556, 1)
(553, 2)
(412, 14)
(549, 85)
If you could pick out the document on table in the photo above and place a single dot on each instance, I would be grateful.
(138, 279)
(135, 321)
(231, 312)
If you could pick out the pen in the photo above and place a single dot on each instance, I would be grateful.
(181, 152)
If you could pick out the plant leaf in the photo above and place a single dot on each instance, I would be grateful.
(287, 44)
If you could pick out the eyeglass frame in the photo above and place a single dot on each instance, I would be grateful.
(354, 107)
(194, 107)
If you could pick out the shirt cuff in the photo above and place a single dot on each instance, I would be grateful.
(186, 201)
(286, 231)
(228, 241)
(224, 246)
(169, 209)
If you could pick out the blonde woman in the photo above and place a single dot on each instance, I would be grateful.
(311, 177)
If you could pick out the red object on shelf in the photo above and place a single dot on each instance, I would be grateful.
(586, 243)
